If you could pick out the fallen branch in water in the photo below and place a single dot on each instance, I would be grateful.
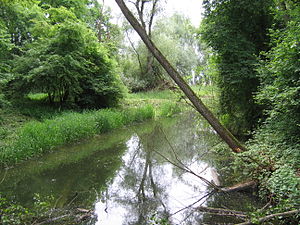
(79, 216)
(237, 187)
(194, 203)
(190, 171)
(265, 218)
(240, 186)
(183, 167)
(223, 212)
(51, 220)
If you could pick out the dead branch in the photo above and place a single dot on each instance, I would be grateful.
(222, 212)
(190, 171)
(184, 167)
(203, 197)
(135, 50)
(265, 218)
(51, 220)
(4, 176)
(240, 186)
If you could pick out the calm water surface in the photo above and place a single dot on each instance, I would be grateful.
(132, 175)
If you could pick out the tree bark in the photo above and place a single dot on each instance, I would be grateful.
(232, 142)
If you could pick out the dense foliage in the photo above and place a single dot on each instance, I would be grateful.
(237, 32)
(280, 93)
(52, 50)
(258, 65)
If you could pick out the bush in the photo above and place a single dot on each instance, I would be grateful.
(13, 213)
(284, 184)
(3, 102)
(70, 67)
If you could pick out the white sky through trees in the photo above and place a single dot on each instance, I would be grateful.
(190, 8)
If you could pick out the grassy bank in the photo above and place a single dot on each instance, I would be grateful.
(36, 137)
(32, 127)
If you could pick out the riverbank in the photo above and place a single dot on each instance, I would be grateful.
(90, 167)
(33, 127)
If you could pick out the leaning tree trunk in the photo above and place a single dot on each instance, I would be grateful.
(232, 142)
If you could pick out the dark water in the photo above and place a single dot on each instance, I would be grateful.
(129, 176)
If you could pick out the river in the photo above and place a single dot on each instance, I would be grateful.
(134, 175)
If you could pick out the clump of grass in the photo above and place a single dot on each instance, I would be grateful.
(169, 109)
(37, 137)
(133, 115)
(37, 96)
(155, 94)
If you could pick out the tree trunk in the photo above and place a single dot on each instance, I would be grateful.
(232, 142)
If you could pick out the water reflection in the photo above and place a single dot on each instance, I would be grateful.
(130, 174)
(147, 185)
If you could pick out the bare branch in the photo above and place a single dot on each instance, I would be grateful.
(223, 212)
(134, 49)
(265, 218)
(240, 186)
(203, 197)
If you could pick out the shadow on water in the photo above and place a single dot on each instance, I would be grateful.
(129, 176)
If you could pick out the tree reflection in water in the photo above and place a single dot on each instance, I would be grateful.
(147, 185)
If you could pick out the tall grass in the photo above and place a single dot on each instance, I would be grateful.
(169, 109)
(37, 137)
(155, 94)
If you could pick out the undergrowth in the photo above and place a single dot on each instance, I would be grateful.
(274, 164)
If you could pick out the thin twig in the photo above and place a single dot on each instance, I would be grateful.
(73, 199)
(185, 168)
(6, 170)
(191, 172)
(173, 150)
(56, 202)
(192, 203)
(222, 212)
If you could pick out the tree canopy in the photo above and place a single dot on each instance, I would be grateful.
(54, 50)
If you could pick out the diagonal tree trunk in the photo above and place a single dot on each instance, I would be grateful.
(232, 142)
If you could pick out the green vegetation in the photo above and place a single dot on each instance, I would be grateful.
(52, 47)
(14, 214)
(39, 128)
(175, 38)
(257, 63)
(37, 137)
(236, 42)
